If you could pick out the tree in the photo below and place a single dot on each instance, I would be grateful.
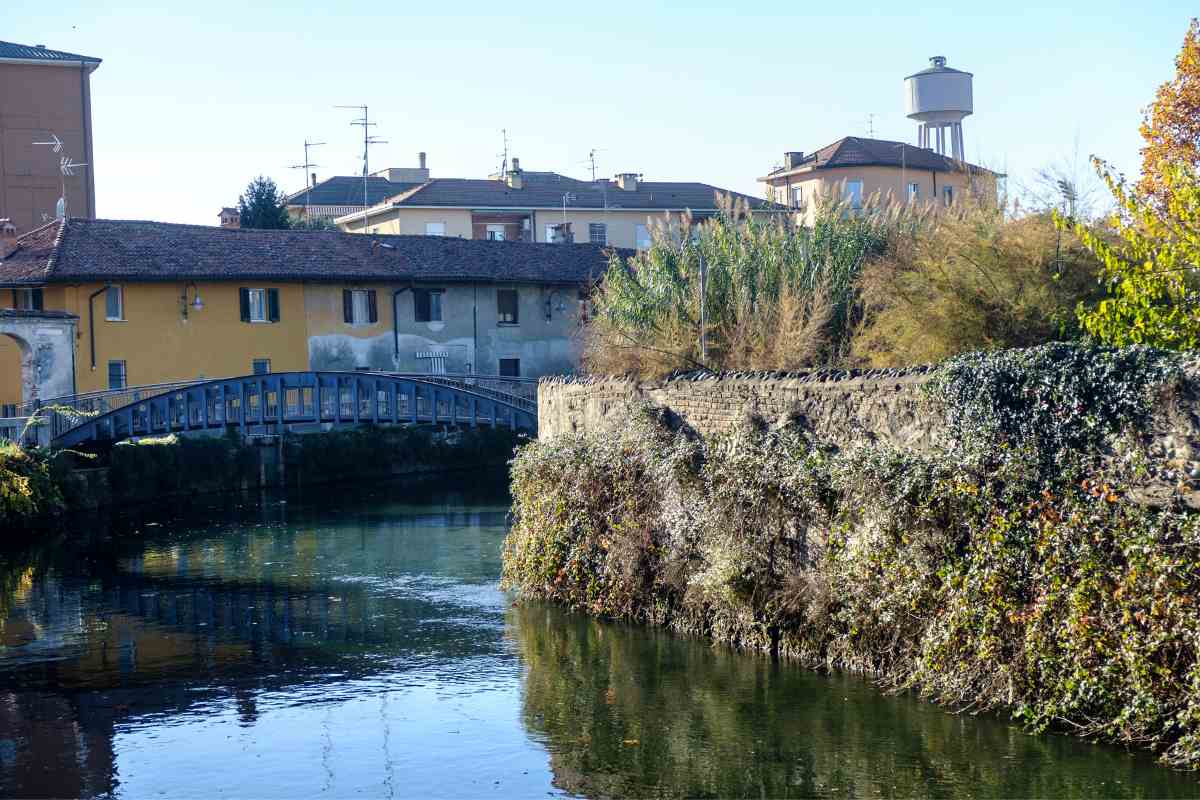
(1150, 255)
(1171, 125)
(313, 224)
(262, 205)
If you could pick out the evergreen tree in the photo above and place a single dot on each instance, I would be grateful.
(262, 205)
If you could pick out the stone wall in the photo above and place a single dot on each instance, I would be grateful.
(844, 407)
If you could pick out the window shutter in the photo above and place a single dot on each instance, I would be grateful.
(372, 309)
(347, 306)
(37, 300)
(273, 305)
(244, 299)
(421, 305)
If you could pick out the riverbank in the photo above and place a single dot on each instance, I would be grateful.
(38, 488)
(1010, 566)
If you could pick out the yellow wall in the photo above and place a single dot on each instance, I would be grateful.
(411, 221)
(10, 371)
(158, 344)
(885, 182)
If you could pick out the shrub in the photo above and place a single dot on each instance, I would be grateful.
(27, 489)
(1005, 569)
(973, 279)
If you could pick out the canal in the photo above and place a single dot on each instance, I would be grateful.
(356, 643)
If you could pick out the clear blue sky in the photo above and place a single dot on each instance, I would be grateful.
(191, 102)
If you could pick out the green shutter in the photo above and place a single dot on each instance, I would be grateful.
(273, 305)
(244, 299)
(372, 309)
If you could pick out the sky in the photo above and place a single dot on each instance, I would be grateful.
(194, 100)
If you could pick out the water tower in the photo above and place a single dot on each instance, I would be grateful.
(939, 98)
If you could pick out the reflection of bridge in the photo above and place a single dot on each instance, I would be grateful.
(297, 401)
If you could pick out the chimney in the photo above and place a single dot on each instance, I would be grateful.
(314, 177)
(8, 238)
(561, 233)
(421, 161)
(792, 159)
(628, 181)
(513, 179)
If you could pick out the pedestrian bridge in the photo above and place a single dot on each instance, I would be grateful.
(279, 402)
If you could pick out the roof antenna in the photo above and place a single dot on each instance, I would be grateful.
(870, 126)
(368, 140)
(66, 166)
(504, 155)
(306, 166)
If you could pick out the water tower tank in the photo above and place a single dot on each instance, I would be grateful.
(939, 98)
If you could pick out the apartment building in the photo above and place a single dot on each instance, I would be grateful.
(45, 97)
(856, 169)
(157, 302)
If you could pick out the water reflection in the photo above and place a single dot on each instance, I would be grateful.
(357, 643)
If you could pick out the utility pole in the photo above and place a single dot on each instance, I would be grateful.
(306, 166)
(368, 140)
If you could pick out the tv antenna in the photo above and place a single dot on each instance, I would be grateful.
(591, 160)
(368, 140)
(504, 154)
(306, 166)
(66, 167)
(870, 126)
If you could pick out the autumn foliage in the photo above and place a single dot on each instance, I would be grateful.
(1171, 126)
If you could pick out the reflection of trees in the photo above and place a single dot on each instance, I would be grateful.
(634, 712)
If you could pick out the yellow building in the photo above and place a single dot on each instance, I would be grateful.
(158, 302)
(858, 170)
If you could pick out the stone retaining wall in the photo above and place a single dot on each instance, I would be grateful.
(844, 407)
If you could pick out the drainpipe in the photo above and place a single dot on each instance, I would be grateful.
(92, 321)
(475, 325)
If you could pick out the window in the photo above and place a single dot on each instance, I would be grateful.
(116, 375)
(262, 366)
(797, 196)
(914, 192)
(259, 305)
(948, 195)
(435, 229)
(643, 237)
(853, 193)
(506, 306)
(114, 303)
(495, 233)
(549, 233)
(427, 305)
(510, 368)
(359, 307)
(598, 233)
(27, 299)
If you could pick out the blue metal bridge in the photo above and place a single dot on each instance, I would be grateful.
(287, 401)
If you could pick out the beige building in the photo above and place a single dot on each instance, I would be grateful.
(538, 207)
(45, 96)
(859, 169)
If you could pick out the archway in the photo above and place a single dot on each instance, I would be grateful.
(44, 344)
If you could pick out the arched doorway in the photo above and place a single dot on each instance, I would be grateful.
(16, 360)
(37, 355)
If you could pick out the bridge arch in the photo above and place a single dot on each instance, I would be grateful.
(45, 342)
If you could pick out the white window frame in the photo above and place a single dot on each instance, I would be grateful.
(435, 229)
(360, 301)
(797, 197)
(261, 294)
(948, 195)
(641, 237)
(124, 373)
(914, 192)
(549, 233)
(854, 197)
(120, 295)
(602, 228)
(516, 308)
(495, 232)
(24, 298)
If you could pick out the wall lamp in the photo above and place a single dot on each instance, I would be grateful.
(196, 305)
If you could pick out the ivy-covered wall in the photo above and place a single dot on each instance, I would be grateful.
(1012, 561)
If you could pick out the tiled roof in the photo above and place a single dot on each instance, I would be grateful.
(858, 151)
(25, 52)
(546, 190)
(129, 250)
(347, 190)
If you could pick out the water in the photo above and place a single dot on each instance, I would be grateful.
(357, 644)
